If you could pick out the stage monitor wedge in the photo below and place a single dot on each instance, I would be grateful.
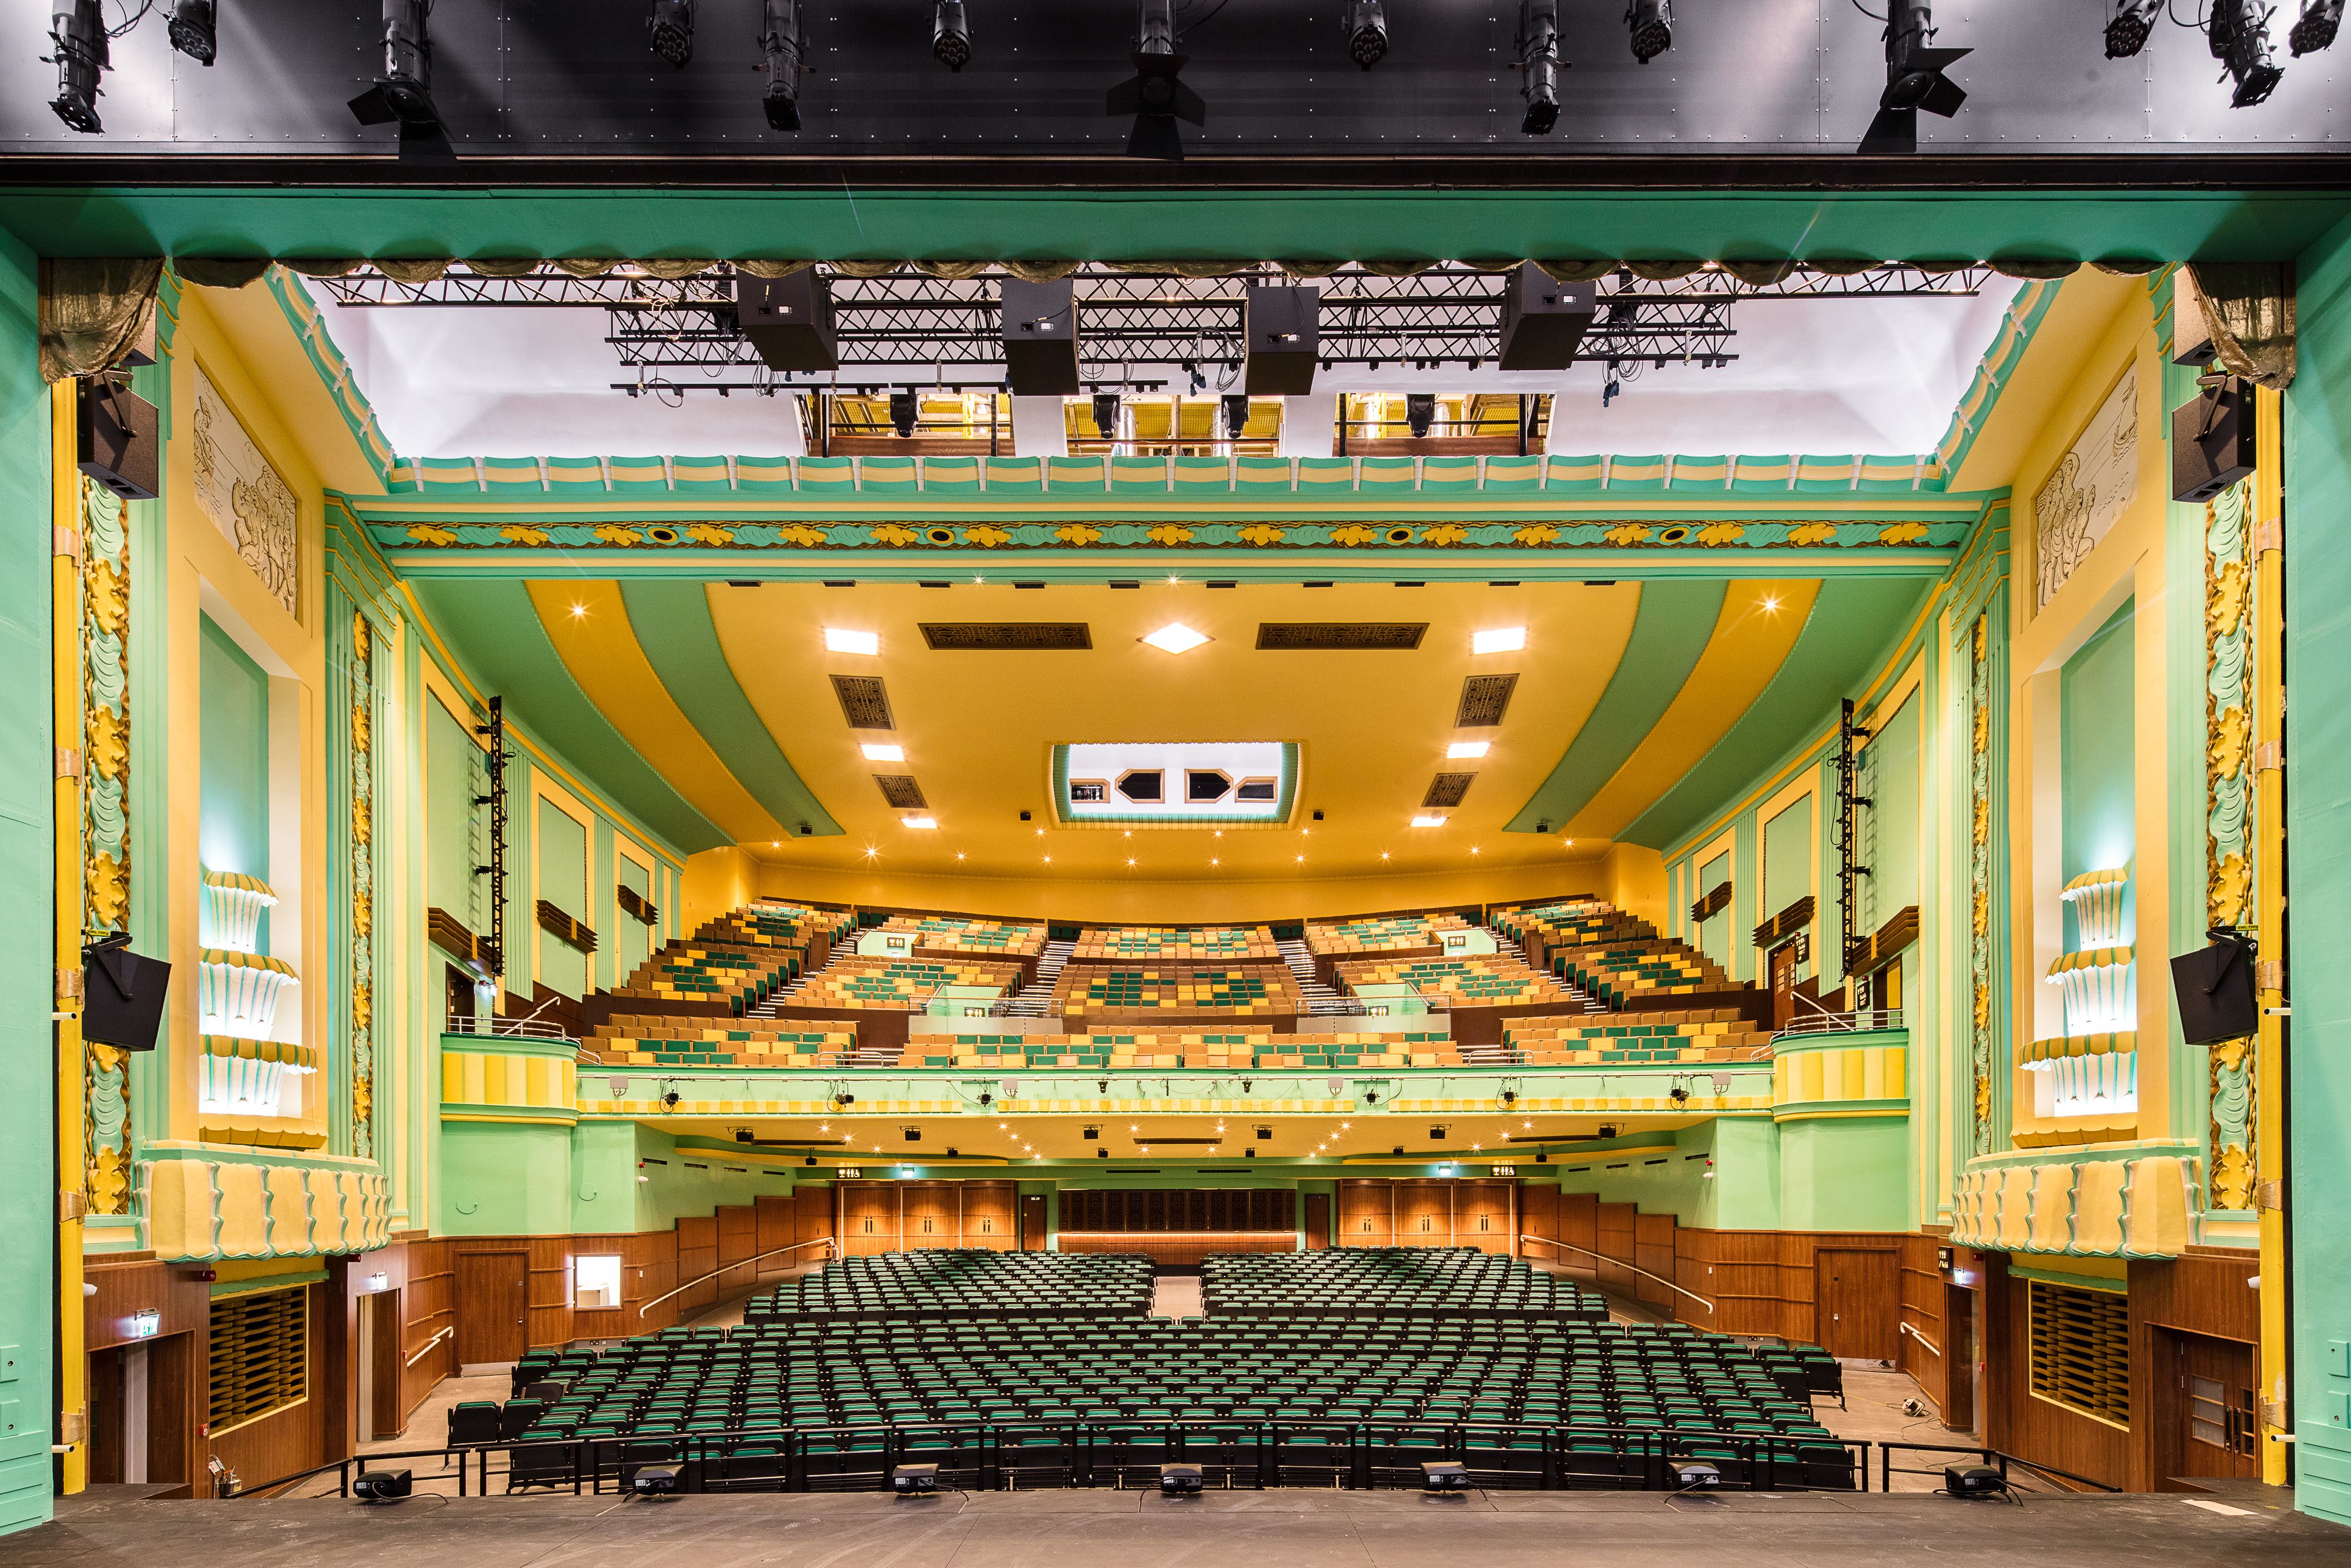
(1283, 326)
(1040, 338)
(788, 321)
(1544, 320)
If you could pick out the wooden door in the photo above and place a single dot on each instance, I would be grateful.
(490, 1308)
(1032, 1222)
(1318, 1221)
(1961, 1365)
(2213, 1429)
(1854, 1304)
(380, 1342)
(1784, 985)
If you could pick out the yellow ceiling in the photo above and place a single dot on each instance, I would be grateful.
(979, 727)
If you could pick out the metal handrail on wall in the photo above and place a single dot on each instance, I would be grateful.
(832, 1250)
(1619, 1262)
(426, 1348)
(1826, 1022)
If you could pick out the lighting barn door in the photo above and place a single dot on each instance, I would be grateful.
(490, 1308)
(1854, 1308)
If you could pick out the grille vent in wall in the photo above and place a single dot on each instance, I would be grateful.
(1448, 789)
(900, 791)
(1341, 634)
(1019, 635)
(1484, 700)
(863, 703)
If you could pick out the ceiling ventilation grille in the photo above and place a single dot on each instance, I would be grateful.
(1341, 634)
(900, 791)
(863, 703)
(1018, 635)
(1484, 700)
(1448, 789)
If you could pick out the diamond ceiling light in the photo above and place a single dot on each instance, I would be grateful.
(1502, 639)
(884, 752)
(839, 640)
(1467, 748)
(1175, 638)
(1428, 822)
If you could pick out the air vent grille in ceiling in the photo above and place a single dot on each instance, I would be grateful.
(900, 791)
(1341, 634)
(1484, 700)
(863, 703)
(947, 636)
(1448, 789)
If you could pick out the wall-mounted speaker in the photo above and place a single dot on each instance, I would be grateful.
(2211, 442)
(1543, 322)
(1040, 338)
(122, 995)
(117, 442)
(1284, 328)
(787, 321)
(2214, 989)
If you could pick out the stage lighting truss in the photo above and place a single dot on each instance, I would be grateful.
(905, 327)
(669, 30)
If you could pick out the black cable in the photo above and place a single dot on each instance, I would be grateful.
(140, 15)
(1868, 12)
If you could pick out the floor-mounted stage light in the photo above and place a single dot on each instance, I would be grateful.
(1539, 64)
(1652, 22)
(669, 29)
(1365, 23)
(1419, 412)
(951, 35)
(2238, 33)
(403, 92)
(1916, 78)
(782, 41)
(904, 411)
(2128, 29)
(1155, 94)
(78, 28)
(1237, 412)
(195, 30)
(1106, 415)
(2316, 28)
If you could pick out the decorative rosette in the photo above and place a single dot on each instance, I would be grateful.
(2097, 900)
(238, 993)
(2100, 988)
(232, 903)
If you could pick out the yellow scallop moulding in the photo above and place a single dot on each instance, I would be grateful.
(201, 1210)
(2128, 1201)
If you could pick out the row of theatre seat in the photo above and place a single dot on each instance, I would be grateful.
(1391, 1282)
(959, 1283)
(1197, 1050)
(1651, 1038)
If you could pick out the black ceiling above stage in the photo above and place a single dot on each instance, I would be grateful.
(574, 79)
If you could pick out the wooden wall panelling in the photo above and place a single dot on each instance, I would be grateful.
(989, 1218)
(1616, 1244)
(1177, 1248)
(282, 1442)
(1481, 1216)
(648, 1273)
(812, 1220)
(2206, 1294)
(1921, 1308)
(428, 1309)
(1694, 1271)
(698, 1256)
(1423, 1211)
(869, 1216)
(739, 1240)
(176, 1354)
(775, 1223)
(551, 1291)
(2022, 1423)
(933, 1214)
(1652, 1251)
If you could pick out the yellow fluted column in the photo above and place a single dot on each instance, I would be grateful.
(2269, 881)
(65, 628)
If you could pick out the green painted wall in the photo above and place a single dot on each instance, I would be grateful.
(233, 813)
(28, 1299)
(1845, 1173)
(1744, 1192)
(504, 1178)
(2318, 827)
(632, 939)
(450, 780)
(1714, 934)
(2096, 690)
(1890, 773)
(1787, 858)
(562, 881)
(687, 1181)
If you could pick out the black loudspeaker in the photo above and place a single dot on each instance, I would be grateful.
(122, 995)
(2211, 442)
(1544, 322)
(1283, 330)
(116, 440)
(788, 321)
(1040, 338)
(2214, 989)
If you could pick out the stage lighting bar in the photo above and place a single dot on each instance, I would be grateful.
(2130, 28)
(782, 40)
(77, 31)
(194, 29)
(669, 29)
(2316, 28)
(1365, 24)
(951, 34)
(2239, 34)
(1540, 65)
(1652, 24)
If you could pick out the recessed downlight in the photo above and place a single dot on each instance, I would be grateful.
(1428, 822)
(1175, 638)
(1500, 640)
(840, 639)
(1468, 749)
(925, 822)
(884, 753)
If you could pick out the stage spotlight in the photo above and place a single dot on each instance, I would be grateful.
(1974, 1482)
(951, 35)
(1652, 22)
(903, 412)
(78, 29)
(1695, 1475)
(2316, 28)
(1419, 412)
(194, 29)
(1365, 23)
(1156, 94)
(2128, 29)
(914, 1480)
(1444, 1474)
(654, 1482)
(404, 92)
(1916, 78)
(1539, 64)
(2238, 33)
(781, 40)
(1179, 1480)
(1106, 415)
(668, 27)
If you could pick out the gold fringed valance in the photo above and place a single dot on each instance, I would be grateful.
(93, 311)
(2249, 309)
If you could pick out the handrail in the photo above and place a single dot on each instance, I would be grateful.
(1603, 1257)
(1922, 1339)
(427, 1347)
(1855, 1023)
(832, 1247)
(501, 1026)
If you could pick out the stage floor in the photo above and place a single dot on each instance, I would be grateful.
(1298, 1529)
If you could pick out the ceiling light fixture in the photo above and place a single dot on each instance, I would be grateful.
(579, 612)
(1652, 22)
(782, 40)
(2128, 29)
(1501, 640)
(1365, 24)
(194, 29)
(670, 31)
(1916, 78)
(1467, 748)
(2238, 33)
(403, 92)
(1175, 638)
(2316, 28)
(1771, 605)
(1430, 820)
(1539, 65)
(884, 753)
(840, 639)
(923, 822)
(951, 35)
(78, 32)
